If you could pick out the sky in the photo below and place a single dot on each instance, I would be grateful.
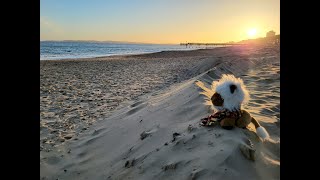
(158, 21)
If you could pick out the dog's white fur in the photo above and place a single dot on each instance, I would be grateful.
(232, 101)
(262, 133)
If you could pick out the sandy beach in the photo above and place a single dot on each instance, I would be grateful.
(137, 116)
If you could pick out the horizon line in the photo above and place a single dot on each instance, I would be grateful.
(130, 42)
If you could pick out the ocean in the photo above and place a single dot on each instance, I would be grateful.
(56, 50)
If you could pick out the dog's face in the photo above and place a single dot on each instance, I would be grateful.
(217, 99)
(228, 93)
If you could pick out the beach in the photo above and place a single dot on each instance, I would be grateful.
(137, 116)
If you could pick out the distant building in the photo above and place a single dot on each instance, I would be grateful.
(272, 38)
(271, 34)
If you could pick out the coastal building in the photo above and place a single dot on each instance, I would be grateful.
(270, 34)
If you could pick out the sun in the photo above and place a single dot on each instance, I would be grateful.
(252, 32)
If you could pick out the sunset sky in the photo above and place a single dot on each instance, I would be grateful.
(158, 21)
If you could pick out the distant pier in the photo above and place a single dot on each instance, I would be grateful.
(212, 44)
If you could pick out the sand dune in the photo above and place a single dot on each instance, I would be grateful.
(157, 136)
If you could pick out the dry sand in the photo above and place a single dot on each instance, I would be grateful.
(137, 117)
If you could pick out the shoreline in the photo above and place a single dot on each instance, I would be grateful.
(125, 55)
(152, 54)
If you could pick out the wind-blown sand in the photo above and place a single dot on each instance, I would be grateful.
(137, 117)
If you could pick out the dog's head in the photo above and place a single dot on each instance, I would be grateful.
(228, 93)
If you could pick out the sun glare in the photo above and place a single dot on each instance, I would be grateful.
(252, 33)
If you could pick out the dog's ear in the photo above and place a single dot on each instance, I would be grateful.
(233, 88)
(217, 99)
